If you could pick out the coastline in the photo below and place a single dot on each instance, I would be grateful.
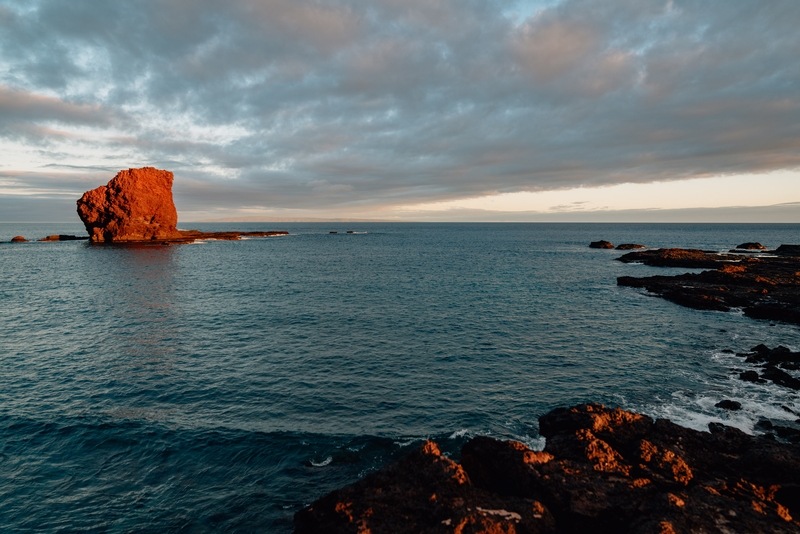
(601, 470)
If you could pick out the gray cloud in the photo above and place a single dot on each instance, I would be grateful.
(318, 104)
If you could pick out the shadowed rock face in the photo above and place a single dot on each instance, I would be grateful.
(136, 205)
(603, 470)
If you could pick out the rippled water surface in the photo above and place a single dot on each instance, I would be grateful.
(222, 386)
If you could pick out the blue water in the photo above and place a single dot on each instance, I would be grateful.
(222, 386)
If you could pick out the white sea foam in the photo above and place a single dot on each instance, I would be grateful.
(459, 433)
(323, 463)
(758, 401)
(409, 442)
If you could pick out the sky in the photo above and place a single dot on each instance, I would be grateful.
(407, 109)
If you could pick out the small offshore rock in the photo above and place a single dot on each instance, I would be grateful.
(18, 239)
(630, 246)
(750, 376)
(729, 405)
(64, 237)
(600, 244)
(333, 232)
(751, 246)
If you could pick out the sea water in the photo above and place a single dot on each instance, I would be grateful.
(224, 385)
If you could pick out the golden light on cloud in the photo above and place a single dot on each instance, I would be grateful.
(714, 192)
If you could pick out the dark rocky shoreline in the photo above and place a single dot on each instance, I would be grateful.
(602, 470)
(764, 287)
(609, 470)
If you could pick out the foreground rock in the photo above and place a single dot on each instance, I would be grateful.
(764, 287)
(600, 244)
(602, 470)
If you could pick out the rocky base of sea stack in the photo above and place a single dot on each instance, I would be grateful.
(602, 470)
(190, 236)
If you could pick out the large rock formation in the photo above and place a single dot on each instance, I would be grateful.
(602, 470)
(136, 205)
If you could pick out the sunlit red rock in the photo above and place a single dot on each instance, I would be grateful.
(136, 205)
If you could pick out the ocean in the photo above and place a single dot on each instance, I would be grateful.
(224, 385)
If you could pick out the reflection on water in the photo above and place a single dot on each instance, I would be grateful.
(138, 289)
(143, 295)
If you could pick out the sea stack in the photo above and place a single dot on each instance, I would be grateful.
(136, 205)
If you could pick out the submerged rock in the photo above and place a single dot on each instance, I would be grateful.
(729, 405)
(600, 244)
(602, 470)
(630, 246)
(136, 205)
(18, 239)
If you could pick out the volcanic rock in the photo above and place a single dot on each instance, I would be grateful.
(18, 239)
(64, 237)
(751, 246)
(765, 288)
(629, 246)
(136, 205)
(602, 470)
(729, 405)
(424, 492)
(675, 257)
(600, 244)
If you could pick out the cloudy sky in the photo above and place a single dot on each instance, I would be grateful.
(411, 109)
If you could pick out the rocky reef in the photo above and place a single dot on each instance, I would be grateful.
(602, 470)
(765, 287)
